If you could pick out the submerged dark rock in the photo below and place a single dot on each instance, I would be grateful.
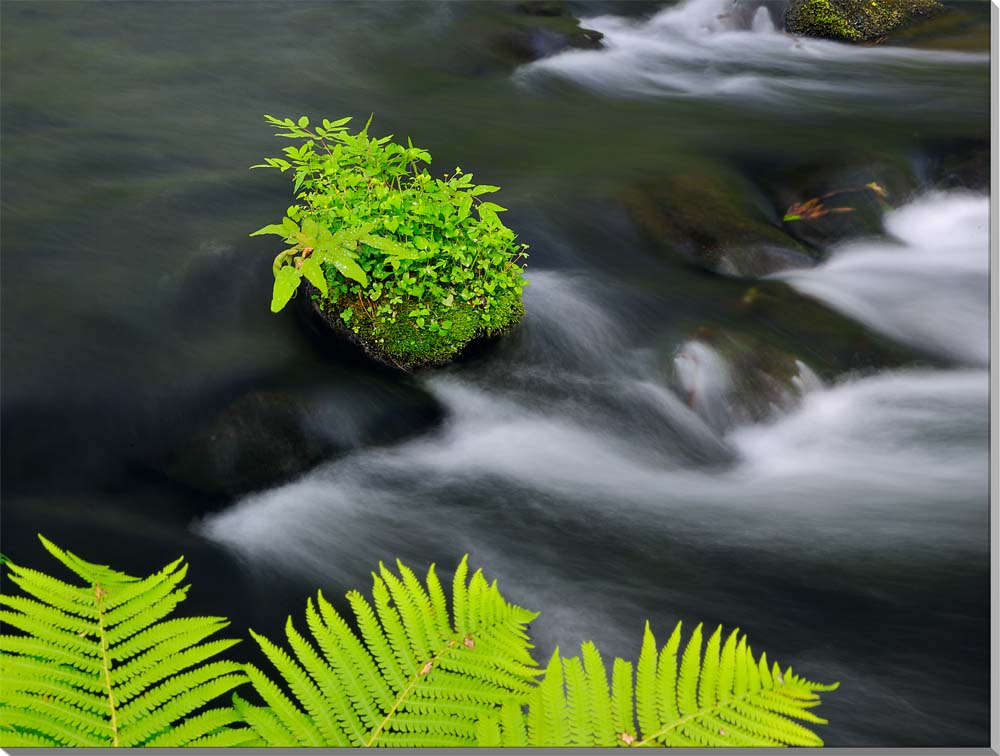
(822, 204)
(830, 342)
(855, 20)
(964, 166)
(528, 30)
(718, 222)
(267, 437)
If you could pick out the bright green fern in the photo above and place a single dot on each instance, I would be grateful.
(418, 676)
(99, 664)
(722, 697)
(102, 665)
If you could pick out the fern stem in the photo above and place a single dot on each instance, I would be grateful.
(649, 740)
(404, 694)
(106, 664)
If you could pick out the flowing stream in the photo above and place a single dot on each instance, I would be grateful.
(803, 454)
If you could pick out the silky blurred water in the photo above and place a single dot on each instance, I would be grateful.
(608, 462)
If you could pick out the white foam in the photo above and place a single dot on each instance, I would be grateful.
(930, 291)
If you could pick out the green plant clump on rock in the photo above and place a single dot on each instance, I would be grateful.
(414, 266)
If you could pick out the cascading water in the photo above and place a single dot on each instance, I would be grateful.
(714, 48)
(566, 435)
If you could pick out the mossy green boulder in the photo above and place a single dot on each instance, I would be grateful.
(855, 20)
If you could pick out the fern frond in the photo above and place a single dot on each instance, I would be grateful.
(98, 665)
(417, 676)
(716, 694)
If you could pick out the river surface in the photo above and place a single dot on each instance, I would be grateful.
(627, 453)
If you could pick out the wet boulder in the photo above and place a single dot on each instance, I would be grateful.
(823, 205)
(833, 343)
(731, 378)
(855, 20)
(717, 221)
(520, 32)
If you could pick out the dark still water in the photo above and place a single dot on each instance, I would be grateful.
(789, 435)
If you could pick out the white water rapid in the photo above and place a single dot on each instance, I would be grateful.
(721, 48)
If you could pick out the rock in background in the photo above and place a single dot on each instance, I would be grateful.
(855, 20)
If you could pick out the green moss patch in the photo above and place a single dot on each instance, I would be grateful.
(855, 20)
(397, 341)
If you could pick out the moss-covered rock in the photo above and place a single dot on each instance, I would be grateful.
(400, 343)
(855, 20)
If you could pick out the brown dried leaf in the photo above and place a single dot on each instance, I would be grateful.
(877, 188)
(808, 210)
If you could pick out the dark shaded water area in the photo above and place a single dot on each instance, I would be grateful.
(797, 448)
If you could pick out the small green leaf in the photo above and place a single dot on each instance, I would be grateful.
(273, 228)
(285, 283)
(483, 189)
(313, 273)
(492, 207)
(347, 265)
(396, 249)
